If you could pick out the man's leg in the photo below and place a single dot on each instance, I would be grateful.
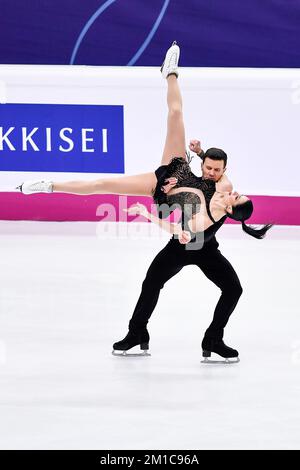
(165, 265)
(218, 269)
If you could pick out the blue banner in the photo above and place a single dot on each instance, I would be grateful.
(61, 138)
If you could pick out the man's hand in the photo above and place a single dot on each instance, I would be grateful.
(195, 146)
(184, 237)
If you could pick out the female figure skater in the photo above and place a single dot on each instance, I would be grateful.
(205, 204)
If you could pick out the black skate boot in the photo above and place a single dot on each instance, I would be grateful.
(133, 339)
(210, 345)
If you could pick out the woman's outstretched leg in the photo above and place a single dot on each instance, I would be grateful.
(139, 185)
(175, 139)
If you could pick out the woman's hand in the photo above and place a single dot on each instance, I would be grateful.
(137, 209)
(184, 237)
(171, 182)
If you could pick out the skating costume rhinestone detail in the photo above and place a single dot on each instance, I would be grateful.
(189, 202)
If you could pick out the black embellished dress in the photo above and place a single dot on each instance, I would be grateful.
(188, 202)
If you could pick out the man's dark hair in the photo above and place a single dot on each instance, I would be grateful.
(215, 154)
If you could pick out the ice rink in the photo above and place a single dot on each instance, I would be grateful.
(67, 291)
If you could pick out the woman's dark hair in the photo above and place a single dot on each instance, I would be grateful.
(241, 213)
(215, 154)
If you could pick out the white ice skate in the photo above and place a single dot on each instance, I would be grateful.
(170, 64)
(33, 186)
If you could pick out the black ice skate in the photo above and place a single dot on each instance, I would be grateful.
(219, 347)
(130, 341)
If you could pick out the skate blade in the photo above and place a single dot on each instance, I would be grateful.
(231, 360)
(144, 353)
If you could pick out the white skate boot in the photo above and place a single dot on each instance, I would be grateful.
(170, 64)
(32, 187)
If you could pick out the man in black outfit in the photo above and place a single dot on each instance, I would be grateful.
(171, 259)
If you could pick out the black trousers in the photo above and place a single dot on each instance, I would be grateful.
(169, 261)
